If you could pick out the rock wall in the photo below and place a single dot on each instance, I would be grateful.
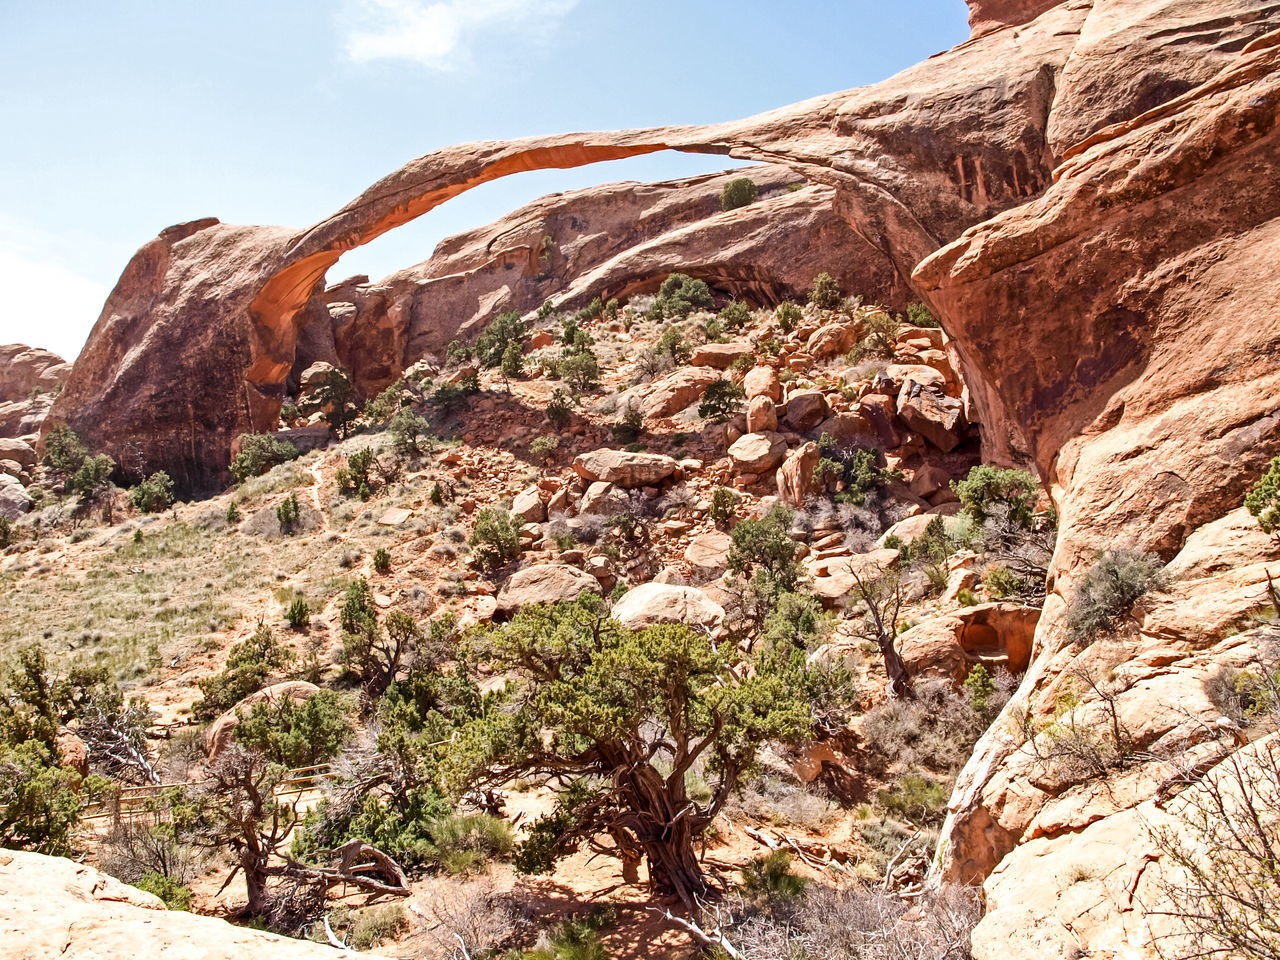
(29, 378)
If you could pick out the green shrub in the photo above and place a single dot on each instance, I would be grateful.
(788, 316)
(63, 453)
(247, 670)
(679, 296)
(380, 408)
(628, 427)
(93, 473)
(673, 345)
(358, 608)
(39, 805)
(8, 533)
(298, 614)
(173, 893)
(558, 409)
(988, 489)
(504, 330)
(544, 446)
(1263, 500)
(825, 292)
(581, 370)
(233, 513)
(259, 452)
(288, 513)
(335, 397)
(1109, 588)
(465, 842)
(722, 401)
(373, 925)
(918, 315)
(153, 494)
(451, 397)
(915, 797)
(742, 364)
(739, 192)
(724, 504)
(1002, 582)
(765, 545)
(382, 560)
(735, 315)
(771, 875)
(495, 538)
(296, 734)
(408, 431)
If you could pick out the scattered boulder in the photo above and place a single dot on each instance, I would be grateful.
(708, 554)
(930, 479)
(675, 391)
(218, 737)
(832, 340)
(795, 476)
(928, 411)
(721, 356)
(14, 499)
(543, 583)
(996, 635)
(757, 452)
(834, 578)
(605, 499)
(528, 505)
(18, 451)
(654, 603)
(627, 470)
(806, 409)
(762, 382)
(762, 415)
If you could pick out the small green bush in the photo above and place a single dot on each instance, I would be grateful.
(735, 315)
(288, 513)
(296, 734)
(504, 330)
(259, 452)
(724, 504)
(544, 446)
(988, 489)
(581, 370)
(1263, 500)
(918, 315)
(771, 875)
(495, 538)
(1002, 582)
(233, 513)
(93, 474)
(558, 409)
(915, 797)
(628, 427)
(788, 316)
(408, 431)
(722, 401)
(672, 343)
(1109, 588)
(153, 494)
(298, 614)
(173, 893)
(679, 296)
(249, 666)
(825, 293)
(382, 560)
(380, 408)
(63, 452)
(739, 192)
(373, 925)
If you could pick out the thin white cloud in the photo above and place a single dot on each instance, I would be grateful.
(46, 303)
(437, 33)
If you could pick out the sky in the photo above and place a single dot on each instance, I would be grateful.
(121, 117)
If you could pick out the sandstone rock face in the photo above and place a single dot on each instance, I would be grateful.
(757, 452)
(762, 415)
(795, 476)
(544, 583)
(627, 470)
(221, 732)
(996, 635)
(23, 369)
(675, 391)
(654, 603)
(52, 907)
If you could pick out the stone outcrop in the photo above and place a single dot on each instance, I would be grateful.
(795, 476)
(29, 380)
(625, 469)
(653, 603)
(996, 635)
(544, 583)
(675, 391)
(52, 907)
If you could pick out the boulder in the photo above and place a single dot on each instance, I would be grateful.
(762, 382)
(721, 356)
(834, 578)
(220, 733)
(708, 554)
(795, 476)
(805, 410)
(528, 505)
(996, 635)
(853, 429)
(14, 499)
(832, 340)
(24, 369)
(757, 452)
(18, 451)
(654, 603)
(929, 479)
(604, 499)
(627, 470)
(675, 391)
(762, 415)
(55, 907)
(14, 470)
(932, 414)
(543, 583)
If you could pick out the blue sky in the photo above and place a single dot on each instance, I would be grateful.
(122, 116)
